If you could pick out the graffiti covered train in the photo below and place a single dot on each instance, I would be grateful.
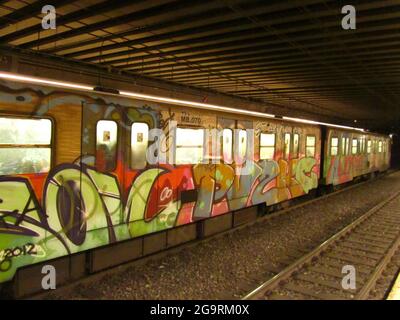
(75, 175)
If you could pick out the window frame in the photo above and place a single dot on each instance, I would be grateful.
(307, 146)
(354, 146)
(222, 146)
(27, 146)
(369, 146)
(203, 146)
(295, 155)
(380, 146)
(337, 147)
(130, 144)
(116, 147)
(261, 146)
(343, 145)
(287, 153)
(239, 130)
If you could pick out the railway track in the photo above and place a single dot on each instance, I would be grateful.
(367, 244)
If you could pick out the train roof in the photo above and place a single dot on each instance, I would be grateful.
(170, 101)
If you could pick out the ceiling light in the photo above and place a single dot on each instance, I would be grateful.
(21, 78)
(194, 104)
(10, 76)
(322, 123)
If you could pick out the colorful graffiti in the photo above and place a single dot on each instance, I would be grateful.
(345, 165)
(83, 208)
(77, 206)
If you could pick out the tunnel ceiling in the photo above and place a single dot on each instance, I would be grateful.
(293, 54)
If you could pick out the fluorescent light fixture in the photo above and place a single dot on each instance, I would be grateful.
(322, 123)
(62, 84)
(10, 76)
(194, 104)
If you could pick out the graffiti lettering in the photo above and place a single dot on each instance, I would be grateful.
(28, 248)
(82, 208)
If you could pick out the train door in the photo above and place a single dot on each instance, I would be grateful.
(101, 170)
(286, 162)
(224, 174)
(346, 156)
(142, 172)
(296, 189)
(242, 162)
(227, 127)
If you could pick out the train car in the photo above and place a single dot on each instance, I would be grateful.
(75, 173)
(89, 180)
(350, 154)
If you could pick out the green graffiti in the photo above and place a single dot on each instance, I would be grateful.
(304, 174)
(21, 222)
(137, 202)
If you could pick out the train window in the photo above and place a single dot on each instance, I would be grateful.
(267, 146)
(369, 146)
(242, 144)
(364, 145)
(354, 146)
(139, 144)
(189, 146)
(296, 138)
(227, 145)
(347, 146)
(286, 147)
(380, 146)
(334, 146)
(344, 145)
(25, 145)
(106, 145)
(310, 146)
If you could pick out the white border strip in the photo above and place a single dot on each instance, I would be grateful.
(21, 78)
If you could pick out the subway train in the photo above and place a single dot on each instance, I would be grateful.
(91, 179)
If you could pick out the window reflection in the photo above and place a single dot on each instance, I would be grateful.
(106, 145)
(189, 146)
(354, 146)
(296, 145)
(139, 144)
(25, 145)
(227, 145)
(267, 146)
(242, 144)
(310, 146)
(286, 150)
(334, 146)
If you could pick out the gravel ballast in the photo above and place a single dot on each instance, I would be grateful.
(228, 266)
